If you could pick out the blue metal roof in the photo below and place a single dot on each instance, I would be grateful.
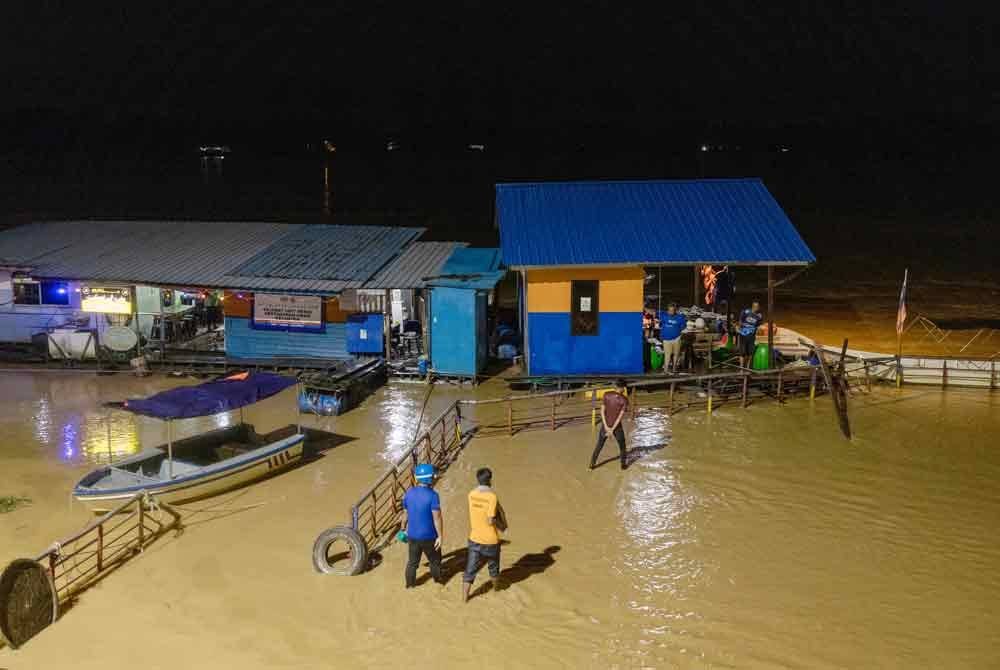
(470, 268)
(704, 221)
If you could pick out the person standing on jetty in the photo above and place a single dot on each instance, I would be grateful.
(749, 321)
(486, 521)
(614, 406)
(671, 326)
(422, 521)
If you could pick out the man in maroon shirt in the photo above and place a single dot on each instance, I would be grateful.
(613, 409)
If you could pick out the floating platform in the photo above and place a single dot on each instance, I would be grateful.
(333, 391)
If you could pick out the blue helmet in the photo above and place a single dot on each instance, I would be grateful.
(424, 473)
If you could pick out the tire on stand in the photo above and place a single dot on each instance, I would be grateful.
(358, 551)
(28, 601)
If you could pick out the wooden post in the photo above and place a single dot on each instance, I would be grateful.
(709, 396)
(593, 409)
(746, 387)
(944, 373)
(868, 376)
(429, 447)
(812, 385)
(52, 565)
(670, 409)
(770, 316)
(993, 375)
(374, 515)
(553, 412)
(780, 385)
(100, 547)
(458, 422)
(510, 417)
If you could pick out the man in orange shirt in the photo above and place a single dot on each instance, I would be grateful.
(486, 520)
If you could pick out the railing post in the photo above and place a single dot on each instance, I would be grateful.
(374, 513)
(780, 384)
(428, 447)
(944, 373)
(444, 442)
(553, 412)
(52, 565)
(993, 375)
(100, 548)
(458, 422)
(142, 522)
(670, 408)
(746, 387)
(812, 385)
(355, 521)
(510, 417)
(709, 396)
(868, 376)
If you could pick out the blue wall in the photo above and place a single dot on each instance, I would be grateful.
(616, 350)
(458, 331)
(242, 341)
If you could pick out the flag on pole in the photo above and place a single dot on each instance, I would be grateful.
(901, 312)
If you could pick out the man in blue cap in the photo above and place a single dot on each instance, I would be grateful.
(422, 520)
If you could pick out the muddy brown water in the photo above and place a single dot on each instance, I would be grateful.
(754, 538)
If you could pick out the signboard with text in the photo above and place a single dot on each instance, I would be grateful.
(302, 313)
(106, 299)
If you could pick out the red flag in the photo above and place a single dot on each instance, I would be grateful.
(901, 312)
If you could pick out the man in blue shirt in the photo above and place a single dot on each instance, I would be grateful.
(672, 324)
(422, 520)
(749, 321)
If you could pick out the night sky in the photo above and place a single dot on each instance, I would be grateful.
(495, 66)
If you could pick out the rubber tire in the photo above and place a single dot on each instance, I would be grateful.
(356, 544)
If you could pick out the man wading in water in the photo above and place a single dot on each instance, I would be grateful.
(422, 521)
(613, 408)
(486, 519)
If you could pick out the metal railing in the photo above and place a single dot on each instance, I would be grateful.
(85, 557)
(377, 511)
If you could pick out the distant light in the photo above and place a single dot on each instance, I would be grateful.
(61, 290)
(704, 147)
(477, 147)
(77, 289)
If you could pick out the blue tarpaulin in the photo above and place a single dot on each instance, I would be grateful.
(223, 395)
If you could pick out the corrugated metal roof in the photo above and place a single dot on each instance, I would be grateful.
(196, 253)
(703, 221)
(351, 254)
(419, 260)
(470, 268)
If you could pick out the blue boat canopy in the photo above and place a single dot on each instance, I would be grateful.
(222, 395)
(690, 222)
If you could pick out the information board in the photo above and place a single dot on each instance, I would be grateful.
(288, 312)
(106, 299)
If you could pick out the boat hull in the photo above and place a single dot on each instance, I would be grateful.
(262, 463)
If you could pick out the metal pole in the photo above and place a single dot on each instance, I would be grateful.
(553, 412)
(697, 280)
(163, 331)
(670, 409)
(298, 414)
(812, 385)
(746, 387)
(510, 417)
(709, 396)
(780, 384)
(170, 449)
(110, 453)
(387, 325)
(770, 316)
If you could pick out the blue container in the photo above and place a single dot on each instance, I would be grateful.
(422, 365)
(364, 334)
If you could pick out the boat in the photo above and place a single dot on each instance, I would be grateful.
(203, 465)
(943, 371)
(335, 391)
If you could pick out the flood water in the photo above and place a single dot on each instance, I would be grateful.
(754, 538)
